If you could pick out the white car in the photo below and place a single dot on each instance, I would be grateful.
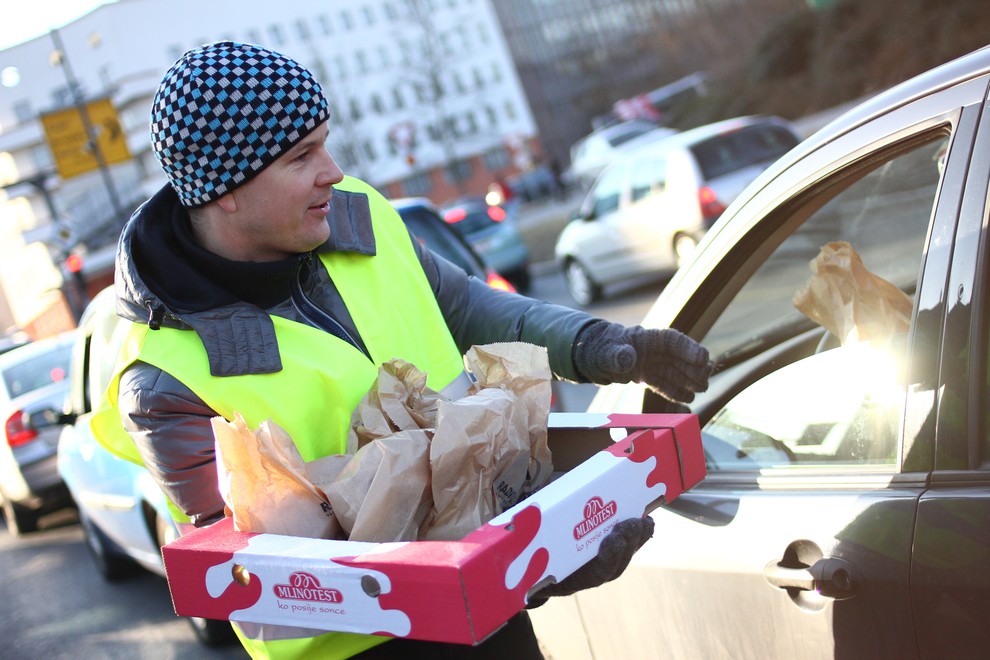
(594, 151)
(650, 206)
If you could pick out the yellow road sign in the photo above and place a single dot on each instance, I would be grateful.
(65, 132)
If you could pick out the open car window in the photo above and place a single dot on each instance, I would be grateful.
(840, 404)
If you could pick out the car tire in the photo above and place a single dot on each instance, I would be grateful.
(110, 562)
(521, 280)
(209, 632)
(583, 289)
(20, 519)
(684, 247)
(212, 632)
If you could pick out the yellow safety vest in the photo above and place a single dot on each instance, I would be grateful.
(322, 378)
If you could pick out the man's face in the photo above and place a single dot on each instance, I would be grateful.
(282, 211)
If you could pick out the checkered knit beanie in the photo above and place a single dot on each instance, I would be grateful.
(225, 111)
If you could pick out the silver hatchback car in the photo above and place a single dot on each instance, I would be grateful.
(650, 206)
(33, 380)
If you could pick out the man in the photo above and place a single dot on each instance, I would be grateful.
(265, 282)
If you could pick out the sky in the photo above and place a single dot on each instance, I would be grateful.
(26, 19)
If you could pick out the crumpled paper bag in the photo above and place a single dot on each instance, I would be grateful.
(490, 448)
(848, 300)
(264, 481)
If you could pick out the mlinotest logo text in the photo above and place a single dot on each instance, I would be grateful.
(596, 513)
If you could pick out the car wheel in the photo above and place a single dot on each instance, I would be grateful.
(110, 562)
(582, 288)
(209, 632)
(684, 247)
(521, 280)
(20, 519)
(212, 632)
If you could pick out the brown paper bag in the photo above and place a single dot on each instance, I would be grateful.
(399, 400)
(478, 460)
(263, 482)
(490, 448)
(523, 369)
(383, 493)
(848, 300)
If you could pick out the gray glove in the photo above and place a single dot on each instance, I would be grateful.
(613, 556)
(670, 363)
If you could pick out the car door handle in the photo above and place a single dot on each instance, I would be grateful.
(831, 577)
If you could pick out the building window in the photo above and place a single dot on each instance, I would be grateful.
(417, 185)
(254, 36)
(376, 103)
(361, 58)
(302, 30)
(345, 18)
(496, 73)
(510, 110)
(397, 98)
(472, 123)
(459, 84)
(355, 109)
(390, 12)
(369, 16)
(383, 57)
(460, 170)
(369, 151)
(479, 79)
(492, 115)
(341, 67)
(325, 24)
(278, 37)
(496, 159)
(23, 111)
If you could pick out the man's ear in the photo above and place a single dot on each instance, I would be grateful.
(228, 203)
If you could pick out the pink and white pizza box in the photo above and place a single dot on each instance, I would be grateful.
(614, 467)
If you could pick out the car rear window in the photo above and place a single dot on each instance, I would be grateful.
(37, 371)
(432, 232)
(733, 151)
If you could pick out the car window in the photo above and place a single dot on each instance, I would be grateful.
(37, 371)
(648, 177)
(607, 193)
(431, 231)
(733, 151)
(841, 404)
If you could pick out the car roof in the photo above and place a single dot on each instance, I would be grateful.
(36, 347)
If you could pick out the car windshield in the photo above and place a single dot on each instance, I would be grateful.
(740, 148)
(37, 371)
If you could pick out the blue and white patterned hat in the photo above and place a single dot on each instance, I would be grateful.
(225, 111)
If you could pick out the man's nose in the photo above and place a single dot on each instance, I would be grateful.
(330, 173)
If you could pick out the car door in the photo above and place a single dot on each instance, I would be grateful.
(950, 570)
(802, 541)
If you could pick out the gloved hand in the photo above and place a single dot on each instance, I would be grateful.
(613, 556)
(670, 363)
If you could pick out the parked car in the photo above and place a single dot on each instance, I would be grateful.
(123, 513)
(845, 510)
(32, 380)
(423, 220)
(649, 208)
(593, 152)
(493, 232)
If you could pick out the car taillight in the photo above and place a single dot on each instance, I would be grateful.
(454, 215)
(17, 432)
(496, 213)
(711, 207)
(496, 281)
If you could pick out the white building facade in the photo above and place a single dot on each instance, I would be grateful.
(424, 95)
